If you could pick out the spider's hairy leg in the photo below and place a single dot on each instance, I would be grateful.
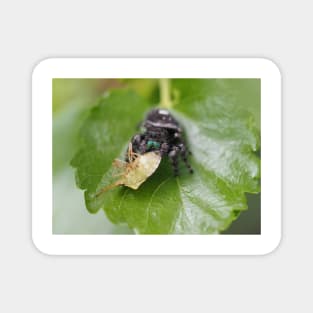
(184, 153)
(164, 148)
(173, 156)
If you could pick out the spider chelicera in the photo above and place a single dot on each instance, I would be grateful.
(162, 133)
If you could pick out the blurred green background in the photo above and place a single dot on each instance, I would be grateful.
(72, 99)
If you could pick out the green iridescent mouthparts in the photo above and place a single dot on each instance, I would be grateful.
(153, 144)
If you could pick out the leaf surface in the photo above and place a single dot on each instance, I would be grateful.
(222, 136)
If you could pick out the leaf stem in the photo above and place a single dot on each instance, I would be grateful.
(165, 93)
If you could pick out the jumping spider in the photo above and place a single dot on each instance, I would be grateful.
(162, 133)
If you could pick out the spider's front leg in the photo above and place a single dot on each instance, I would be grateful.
(182, 143)
(184, 155)
(164, 149)
(173, 156)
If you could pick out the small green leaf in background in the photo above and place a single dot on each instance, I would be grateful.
(221, 122)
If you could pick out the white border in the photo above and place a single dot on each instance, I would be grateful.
(48, 243)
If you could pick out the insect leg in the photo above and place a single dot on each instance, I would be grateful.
(109, 187)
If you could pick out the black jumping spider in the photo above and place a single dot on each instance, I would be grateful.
(162, 133)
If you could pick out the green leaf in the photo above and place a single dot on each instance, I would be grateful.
(65, 141)
(222, 136)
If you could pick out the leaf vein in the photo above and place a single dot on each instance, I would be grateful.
(152, 195)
